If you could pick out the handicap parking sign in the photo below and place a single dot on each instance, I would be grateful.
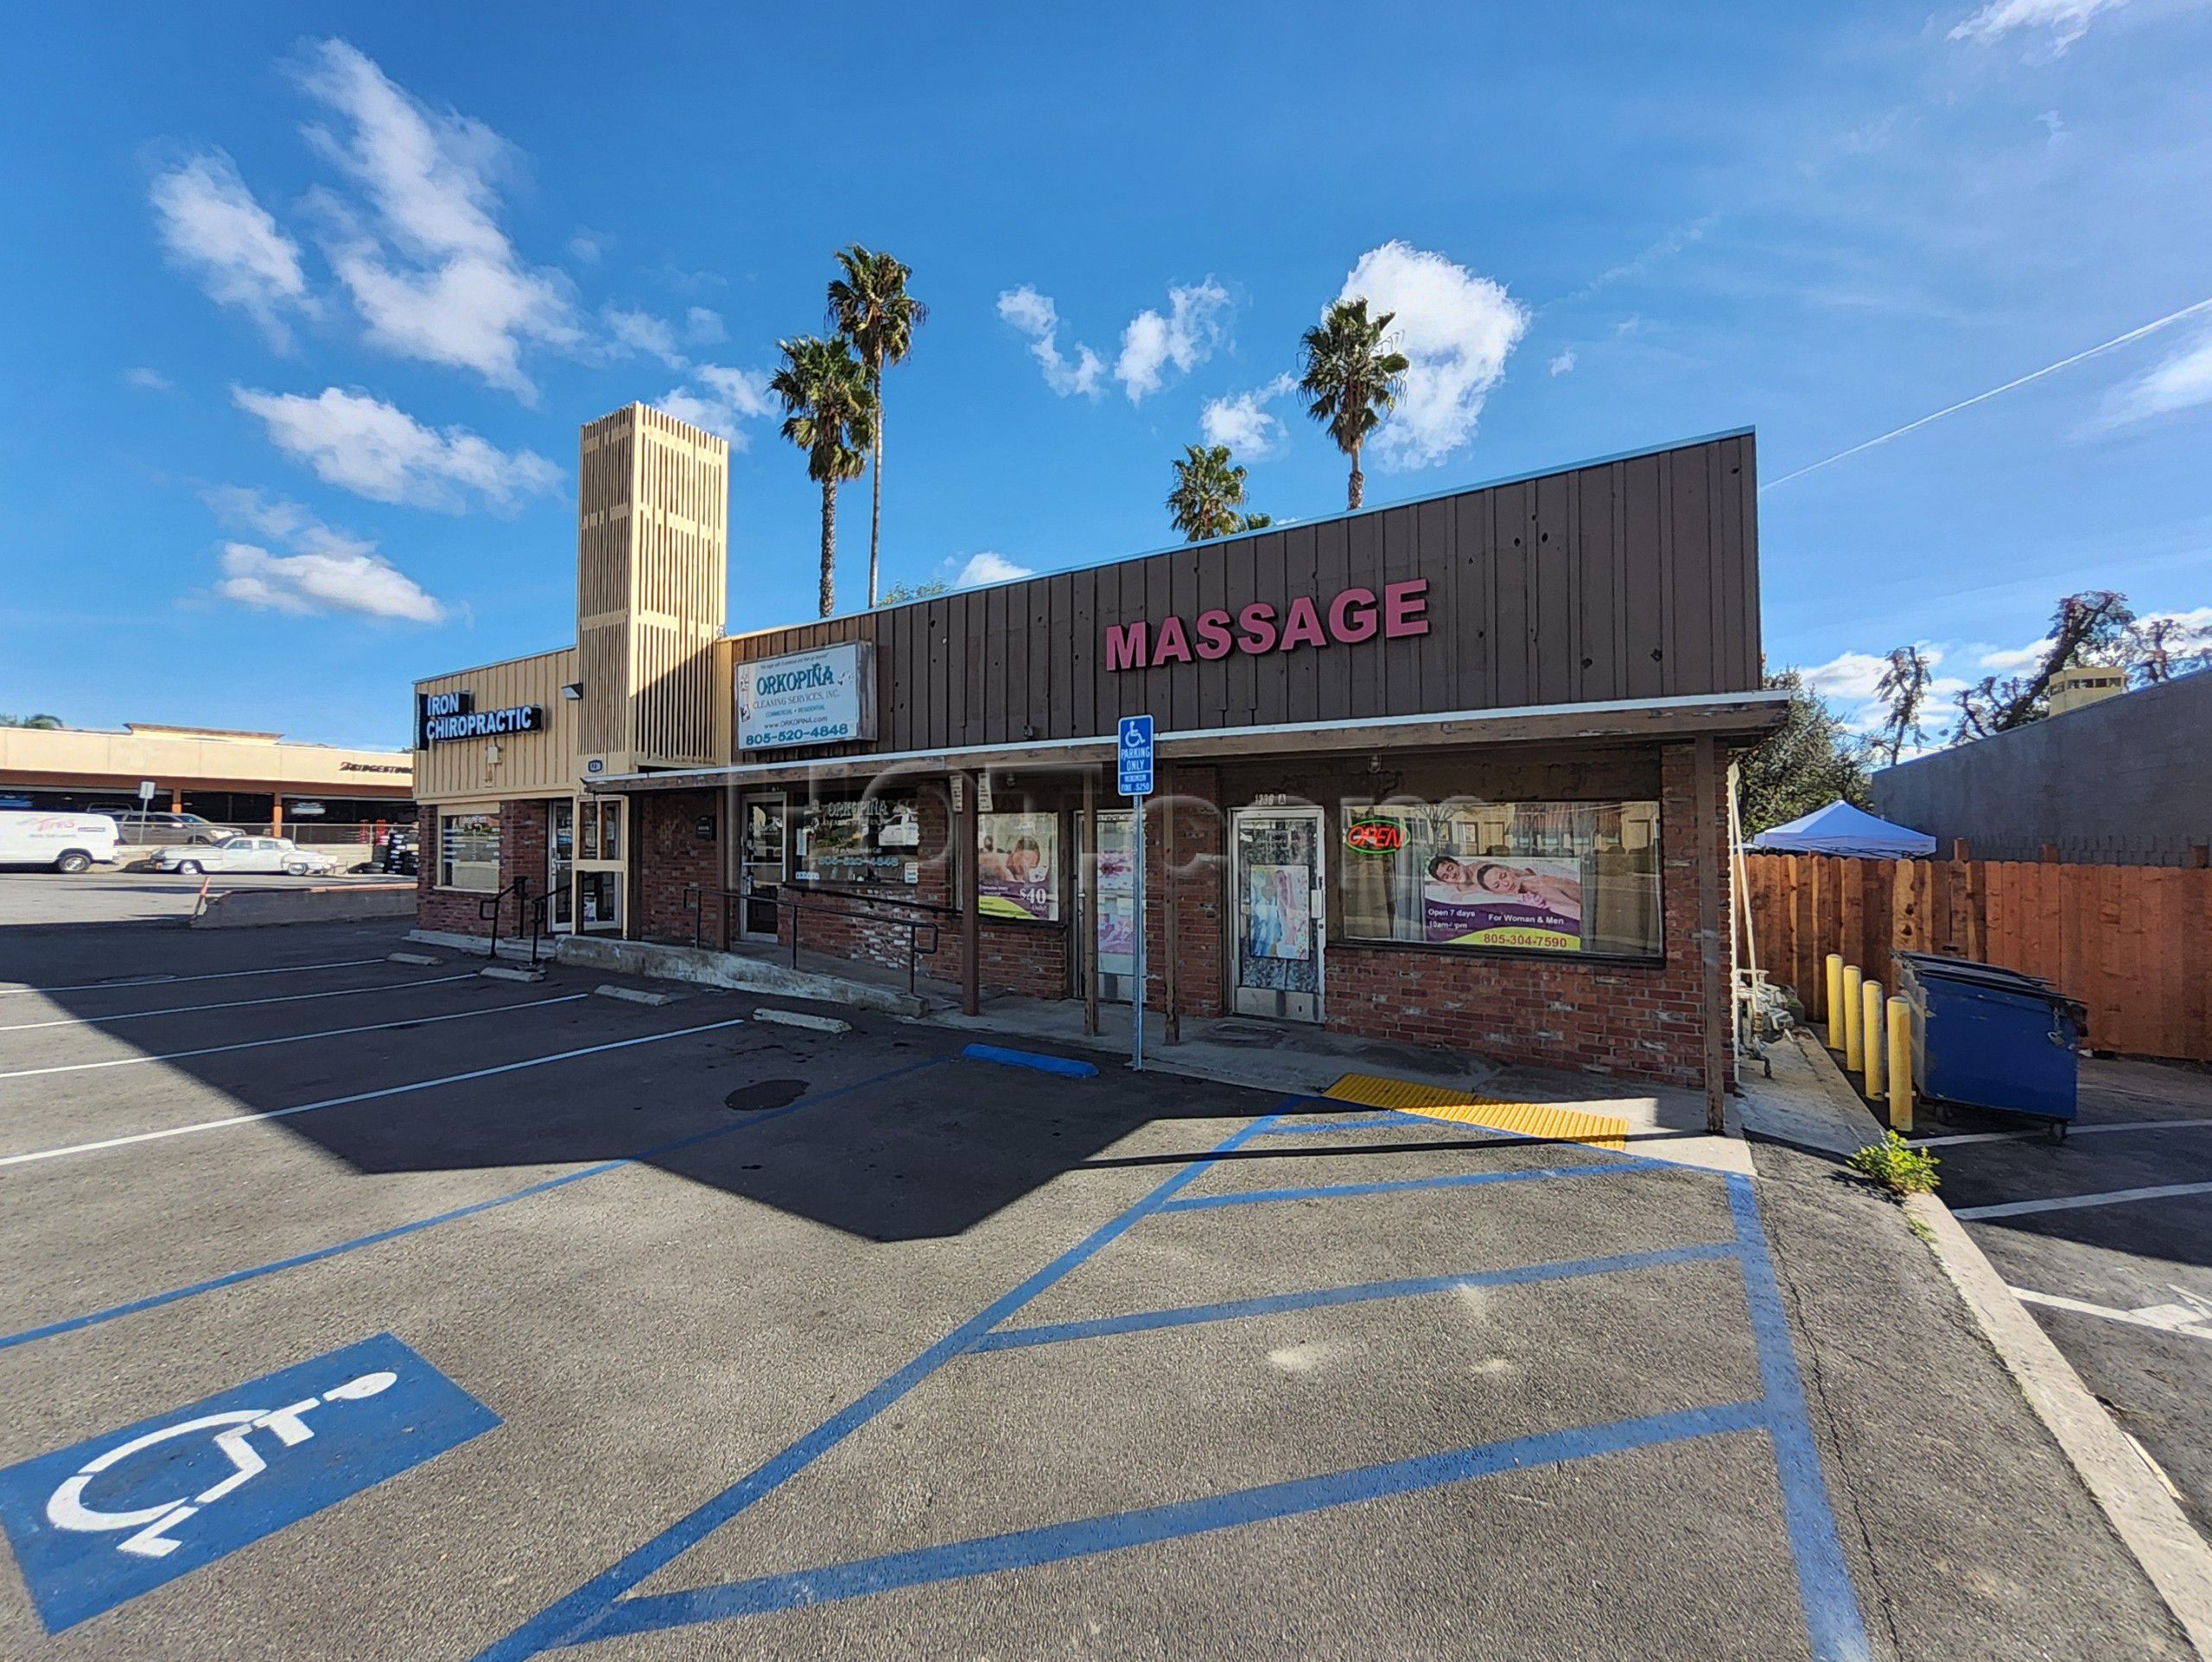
(97, 1524)
(1134, 755)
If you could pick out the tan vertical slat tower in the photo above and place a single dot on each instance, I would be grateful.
(653, 569)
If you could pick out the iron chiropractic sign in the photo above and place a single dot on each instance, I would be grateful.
(440, 716)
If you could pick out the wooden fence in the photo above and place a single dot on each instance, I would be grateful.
(2132, 943)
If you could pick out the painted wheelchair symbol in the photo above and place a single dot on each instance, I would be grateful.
(151, 1525)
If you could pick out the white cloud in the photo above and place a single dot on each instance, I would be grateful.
(1035, 315)
(209, 223)
(718, 398)
(1456, 328)
(437, 279)
(328, 571)
(987, 567)
(148, 380)
(1185, 338)
(1851, 676)
(2010, 660)
(642, 332)
(2067, 20)
(585, 246)
(702, 326)
(1242, 422)
(368, 447)
(1563, 364)
(302, 585)
(2182, 382)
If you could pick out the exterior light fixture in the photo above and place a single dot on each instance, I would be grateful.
(573, 691)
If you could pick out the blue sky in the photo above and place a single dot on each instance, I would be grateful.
(309, 303)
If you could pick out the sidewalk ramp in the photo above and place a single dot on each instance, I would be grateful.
(1538, 1119)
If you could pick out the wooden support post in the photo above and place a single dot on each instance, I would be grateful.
(1087, 913)
(1171, 932)
(275, 815)
(1706, 785)
(971, 872)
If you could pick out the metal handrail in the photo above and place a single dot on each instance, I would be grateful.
(487, 911)
(694, 896)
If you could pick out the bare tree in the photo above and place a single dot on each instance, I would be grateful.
(1904, 689)
(2090, 628)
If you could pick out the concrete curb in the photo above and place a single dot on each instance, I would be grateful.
(796, 1018)
(635, 995)
(253, 908)
(2132, 1496)
(704, 968)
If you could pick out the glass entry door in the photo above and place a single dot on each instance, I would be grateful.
(1117, 907)
(602, 865)
(1280, 887)
(765, 847)
(561, 868)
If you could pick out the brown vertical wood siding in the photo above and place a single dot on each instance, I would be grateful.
(1628, 579)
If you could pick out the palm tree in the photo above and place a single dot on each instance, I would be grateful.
(1352, 379)
(870, 306)
(1209, 491)
(831, 415)
(45, 724)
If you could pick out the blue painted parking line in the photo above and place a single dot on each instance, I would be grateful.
(1116, 1531)
(1629, 1166)
(107, 1519)
(608, 1606)
(562, 1623)
(1361, 1293)
(1833, 1620)
(298, 1260)
(1066, 1067)
(1379, 1122)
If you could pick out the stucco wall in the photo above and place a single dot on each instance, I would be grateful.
(2123, 782)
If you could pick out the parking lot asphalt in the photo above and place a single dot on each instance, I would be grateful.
(108, 894)
(361, 1309)
(2108, 1238)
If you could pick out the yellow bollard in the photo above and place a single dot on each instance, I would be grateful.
(1901, 1065)
(1874, 1040)
(1835, 1001)
(1853, 1032)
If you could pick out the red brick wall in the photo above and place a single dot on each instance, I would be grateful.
(667, 855)
(1639, 1021)
(1192, 799)
(523, 827)
(1030, 958)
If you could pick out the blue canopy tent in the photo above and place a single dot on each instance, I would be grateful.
(1841, 829)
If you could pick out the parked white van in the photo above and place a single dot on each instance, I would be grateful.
(67, 842)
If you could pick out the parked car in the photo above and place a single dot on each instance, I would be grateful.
(140, 826)
(67, 842)
(244, 854)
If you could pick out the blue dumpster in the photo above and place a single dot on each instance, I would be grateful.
(1989, 1037)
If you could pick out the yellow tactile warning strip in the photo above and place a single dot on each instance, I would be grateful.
(1464, 1108)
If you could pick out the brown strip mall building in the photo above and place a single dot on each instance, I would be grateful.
(1454, 771)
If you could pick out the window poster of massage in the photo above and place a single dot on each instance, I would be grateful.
(1507, 899)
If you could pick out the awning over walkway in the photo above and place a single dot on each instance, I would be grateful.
(1747, 717)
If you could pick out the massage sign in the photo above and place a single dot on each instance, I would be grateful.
(1346, 618)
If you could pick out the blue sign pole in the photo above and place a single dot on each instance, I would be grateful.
(1132, 769)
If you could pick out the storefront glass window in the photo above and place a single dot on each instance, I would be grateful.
(468, 851)
(856, 842)
(1019, 873)
(1541, 876)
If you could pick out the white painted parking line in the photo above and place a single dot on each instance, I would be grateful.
(2188, 1320)
(234, 1004)
(230, 1120)
(2071, 1202)
(2072, 1131)
(287, 1039)
(127, 982)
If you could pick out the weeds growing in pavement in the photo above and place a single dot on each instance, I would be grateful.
(1896, 1166)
